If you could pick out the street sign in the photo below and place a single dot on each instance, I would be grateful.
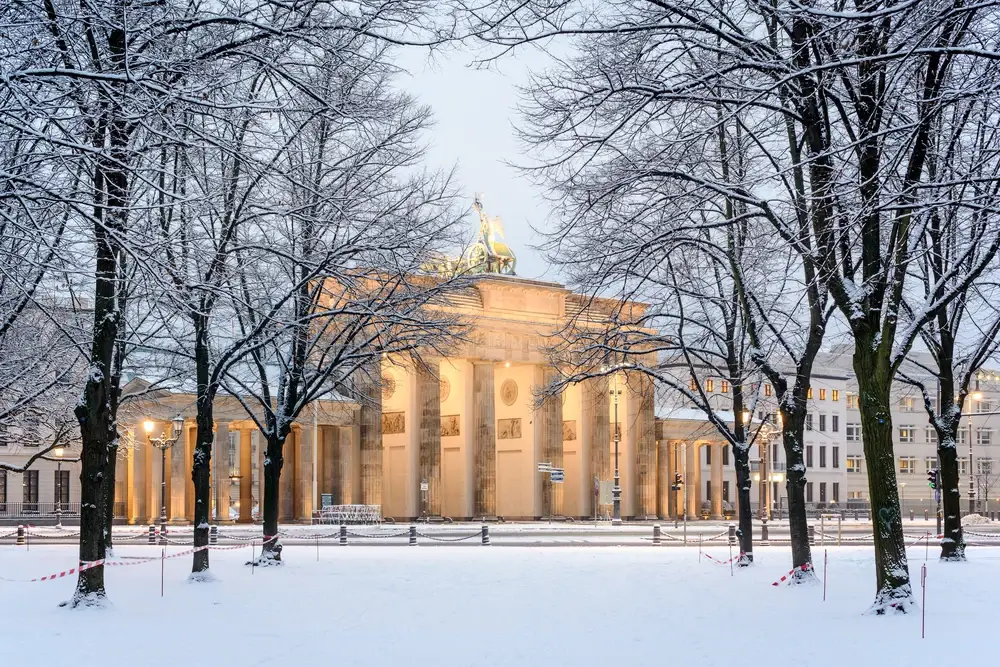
(597, 486)
(557, 475)
(545, 467)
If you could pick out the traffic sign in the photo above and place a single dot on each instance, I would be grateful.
(557, 475)
(545, 467)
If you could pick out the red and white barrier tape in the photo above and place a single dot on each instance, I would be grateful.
(804, 568)
(117, 563)
(720, 562)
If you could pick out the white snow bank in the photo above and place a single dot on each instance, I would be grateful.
(974, 520)
(496, 607)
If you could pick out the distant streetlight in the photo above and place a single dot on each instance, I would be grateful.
(59, 451)
(163, 443)
(975, 396)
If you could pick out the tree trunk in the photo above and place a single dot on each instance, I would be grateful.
(110, 477)
(741, 461)
(202, 458)
(893, 592)
(795, 484)
(273, 460)
(953, 542)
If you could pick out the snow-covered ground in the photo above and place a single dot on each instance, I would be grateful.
(512, 607)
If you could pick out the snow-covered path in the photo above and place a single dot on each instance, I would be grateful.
(510, 607)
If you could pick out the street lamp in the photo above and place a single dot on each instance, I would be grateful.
(616, 491)
(59, 451)
(975, 396)
(164, 443)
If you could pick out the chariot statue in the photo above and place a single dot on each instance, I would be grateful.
(489, 254)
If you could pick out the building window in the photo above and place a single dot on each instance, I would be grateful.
(835, 395)
(853, 463)
(984, 465)
(822, 423)
(3, 435)
(822, 456)
(930, 463)
(708, 455)
(709, 385)
(822, 394)
(963, 436)
(768, 390)
(774, 453)
(29, 484)
(3, 490)
(907, 404)
(61, 488)
(708, 489)
(906, 433)
(963, 466)
(822, 492)
(836, 492)
(984, 406)
(809, 456)
(724, 386)
(836, 457)
(835, 423)
(725, 455)
(809, 421)
(809, 492)
(931, 435)
(809, 393)
(693, 384)
(855, 495)
(984, 436)
(852, 432)
(907, 465)
(852, 401)
(725, 491)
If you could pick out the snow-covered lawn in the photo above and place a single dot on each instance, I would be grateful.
(505, 606)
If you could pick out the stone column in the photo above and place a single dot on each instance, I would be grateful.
(286, 485)
(330, 475)
(641, 390)
(304, 451)
(595, 403)
(246, 476)
(178, 479)
(691, 480)
(220, 470)
(370, 421)
(429, 429)
(664, 479)
(552, 447)
(484, 439)
(346, 437)
(716, 478)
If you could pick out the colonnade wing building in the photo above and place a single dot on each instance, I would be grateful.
(461, 438)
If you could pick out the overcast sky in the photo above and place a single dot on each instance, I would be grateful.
(475, 114)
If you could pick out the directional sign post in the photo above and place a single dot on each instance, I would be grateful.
(557, 475)
(545, 467)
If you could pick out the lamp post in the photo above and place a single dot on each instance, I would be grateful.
(975, 396)
(616, 492)
(163, 443)
(59, 451)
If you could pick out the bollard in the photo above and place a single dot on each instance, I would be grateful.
(343, 535)
(213, 535)
(855, 515)
(911, 515)
(763, 533)
(486, 535)
(812, 535)
(732, 534)
(20, 536)
(413, 536)
(152, 534)
(656, 534)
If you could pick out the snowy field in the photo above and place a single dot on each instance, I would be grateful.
(488, 606)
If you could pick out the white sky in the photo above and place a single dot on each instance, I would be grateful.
(475, 114)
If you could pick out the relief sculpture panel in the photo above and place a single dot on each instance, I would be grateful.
(508, 429)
